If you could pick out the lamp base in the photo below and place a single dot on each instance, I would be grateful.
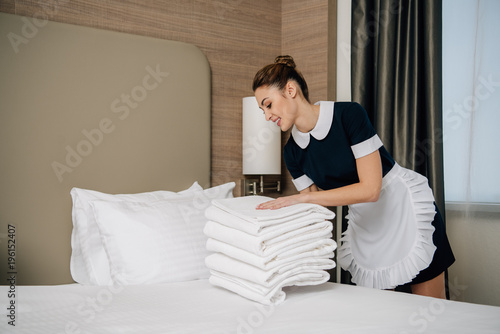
(255, 186)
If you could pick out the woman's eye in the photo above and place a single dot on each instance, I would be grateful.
(269, 106)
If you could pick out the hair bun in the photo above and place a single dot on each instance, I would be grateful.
(285, 60)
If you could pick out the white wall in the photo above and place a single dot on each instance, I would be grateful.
(474, 238)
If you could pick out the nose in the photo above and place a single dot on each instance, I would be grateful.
(267, 115)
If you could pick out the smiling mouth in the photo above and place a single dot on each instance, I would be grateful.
(278, 121)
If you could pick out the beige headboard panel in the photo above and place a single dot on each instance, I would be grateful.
(81, 107)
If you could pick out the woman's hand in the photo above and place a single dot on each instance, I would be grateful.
(280, 202)
(366, 190)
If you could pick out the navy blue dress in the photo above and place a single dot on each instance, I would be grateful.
(387, 243)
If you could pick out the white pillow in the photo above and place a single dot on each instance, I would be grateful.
(157, 242)
(89, 263)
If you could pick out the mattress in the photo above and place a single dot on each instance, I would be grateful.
(199, 307)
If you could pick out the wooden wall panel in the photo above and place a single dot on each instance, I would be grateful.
(306, 37)
(7, 6)
(237, 36)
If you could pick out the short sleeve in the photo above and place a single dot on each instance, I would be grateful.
(360, 132)
(299, 178)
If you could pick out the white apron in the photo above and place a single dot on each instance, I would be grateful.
(388, 242)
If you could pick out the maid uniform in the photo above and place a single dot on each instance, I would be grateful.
(401, 238)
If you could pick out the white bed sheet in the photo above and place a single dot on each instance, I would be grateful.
(198, 307)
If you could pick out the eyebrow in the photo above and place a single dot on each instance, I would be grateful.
(262, 102)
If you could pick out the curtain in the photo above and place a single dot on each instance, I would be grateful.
(396, 76)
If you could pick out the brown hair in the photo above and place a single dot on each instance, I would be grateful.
(278, 74)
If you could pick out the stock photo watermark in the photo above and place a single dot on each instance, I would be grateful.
(249, 323)
(485, 88)
(91, 306)
(255, 319)
(252, 145)
(121, 106)
(11, 274)
(380, 19)
(455, 116)
(424, 316)
(31, 27)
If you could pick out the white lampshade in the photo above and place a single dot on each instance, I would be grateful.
(261, 141)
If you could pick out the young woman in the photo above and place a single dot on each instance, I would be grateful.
(395, 234)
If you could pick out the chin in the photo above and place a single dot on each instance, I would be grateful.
(285, 127)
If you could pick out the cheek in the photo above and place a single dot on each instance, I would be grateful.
(288, 111)
(285, 125)
(286, 122)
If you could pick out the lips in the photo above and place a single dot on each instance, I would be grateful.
(278, 121)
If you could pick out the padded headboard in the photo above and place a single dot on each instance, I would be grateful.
(88, 108)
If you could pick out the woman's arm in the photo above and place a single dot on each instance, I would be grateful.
(367, 189)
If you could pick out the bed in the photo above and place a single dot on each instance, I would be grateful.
(198, 307)
(97, 120)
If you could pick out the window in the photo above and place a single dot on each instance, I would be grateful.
(471, 100)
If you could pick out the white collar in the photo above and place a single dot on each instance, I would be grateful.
(321, 128)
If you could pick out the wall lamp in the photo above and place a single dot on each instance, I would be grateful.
(261, 150)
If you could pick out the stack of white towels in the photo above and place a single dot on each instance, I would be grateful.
(258, 252)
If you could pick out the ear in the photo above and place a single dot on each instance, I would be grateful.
(291, 89)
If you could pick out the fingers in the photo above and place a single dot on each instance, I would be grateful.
(276, 204)
(271, 205)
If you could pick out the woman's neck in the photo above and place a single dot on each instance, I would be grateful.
(308, 116)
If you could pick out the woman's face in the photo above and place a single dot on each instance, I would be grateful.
(277, 105)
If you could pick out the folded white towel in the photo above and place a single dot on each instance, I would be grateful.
(270, 242)
(258, 252)
(322, 247)
(225, 218)
(245, 208)
(233, 285)
(268, 296)
(267, 278)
